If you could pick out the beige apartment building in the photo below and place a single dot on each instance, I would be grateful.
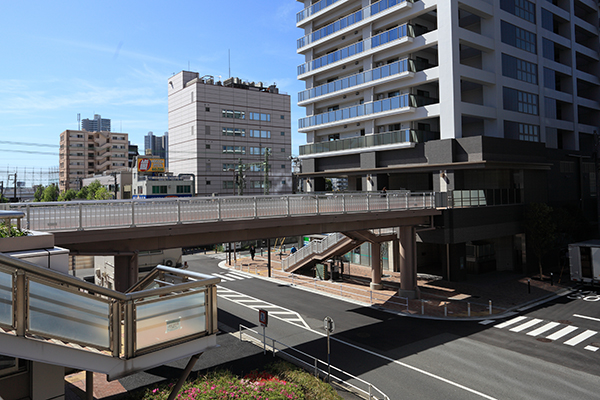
(84, 153)
(215, 126)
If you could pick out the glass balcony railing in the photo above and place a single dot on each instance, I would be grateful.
(315, 8)
(392, 103)
(357, 48)
(347, 21)
(394, 68)
(361, 142)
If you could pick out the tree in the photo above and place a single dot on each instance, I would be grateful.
(328, 185)
(39, 192)
(82, 194)
(92, 189)
(102, 194)
(50, 193)
(68, 195)
(540, 229)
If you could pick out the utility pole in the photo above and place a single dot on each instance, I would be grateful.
(266, 172)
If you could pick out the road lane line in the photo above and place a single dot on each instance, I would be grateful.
(526, 325)
(564, 331)
(542, 329)
(580, 338)
(586, 317)
(510, 322)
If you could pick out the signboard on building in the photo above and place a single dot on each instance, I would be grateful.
(151, 165)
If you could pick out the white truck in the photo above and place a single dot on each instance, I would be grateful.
(585, 261)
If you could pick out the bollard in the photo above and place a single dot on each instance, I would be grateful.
(422, 307)
(528, 285)
(551, 279)
(490, 307)
(468, 309)
(316, 368)
(371, 297)
(445, 310)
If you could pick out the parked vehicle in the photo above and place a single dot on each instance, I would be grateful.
(584, 259)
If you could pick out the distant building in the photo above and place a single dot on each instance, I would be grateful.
(96, 125)
(157, 146)
(85, 153)
(150, 180)
(132, 155)
(216, 126)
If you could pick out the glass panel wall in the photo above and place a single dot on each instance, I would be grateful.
(5, 298)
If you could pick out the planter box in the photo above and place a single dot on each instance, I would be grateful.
(35, 240)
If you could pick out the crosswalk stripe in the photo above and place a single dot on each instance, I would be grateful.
(591, 348)
(564, 331)
(544, 328)
(235, 276)
(223, 277)
(486, 322)
(526, 325)
(580, 338)
(509, 322)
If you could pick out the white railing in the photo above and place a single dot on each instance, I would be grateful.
(314, 247)
(310, 363)
(82, 215)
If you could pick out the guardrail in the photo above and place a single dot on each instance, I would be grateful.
(81, 215)
(343, 377)
(170, 306)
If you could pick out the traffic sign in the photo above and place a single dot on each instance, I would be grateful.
(263, 317)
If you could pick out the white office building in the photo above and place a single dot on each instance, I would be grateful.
(497, 99)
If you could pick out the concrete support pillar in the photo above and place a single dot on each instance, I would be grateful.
(395, 256)
(126, 271)
(376, 266)
(408, 262)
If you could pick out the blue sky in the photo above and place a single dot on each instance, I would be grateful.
(114, 58)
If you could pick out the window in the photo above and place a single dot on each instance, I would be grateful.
(259, 150)
(208, 146)
(233, 132)
(234, 149)
(260, 117)
(529, 133)
(208, 182)
(282, 166)
(228, 167)
(283, 117)
(233, 114)
(260, 134)
(523, 102)
(516, 68)
(184, 189)
(282, 133)
(207, 109)
(159, 189)
(517, 37)
(283, 149)
(521, 8)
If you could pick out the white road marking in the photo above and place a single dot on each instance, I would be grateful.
(224, 277)
(526, 325)
(235, 276)
(586, 317)
(591, 348)
(580, 338)
(486, 322)
(542, 329)
(510, 322)
(564, 331)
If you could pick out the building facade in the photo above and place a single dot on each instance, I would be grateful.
(84, 153)
(226, 132)
(494, 103)
(98, 124)
(157, 146)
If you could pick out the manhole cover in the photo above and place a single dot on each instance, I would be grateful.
(543, 340)
(564, 321)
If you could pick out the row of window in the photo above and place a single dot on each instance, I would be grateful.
(518, 37)
(242, 149)
(251, 167)
(523, 102)
(251, 184)
(163, 189)
(521, 8)
(254, 116)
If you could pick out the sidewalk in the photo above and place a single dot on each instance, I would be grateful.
(505, 291)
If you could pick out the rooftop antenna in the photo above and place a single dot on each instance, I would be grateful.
(229, 53)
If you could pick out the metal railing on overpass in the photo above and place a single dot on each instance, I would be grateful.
(82, 215)
(169, 307)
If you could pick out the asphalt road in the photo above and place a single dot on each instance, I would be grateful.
(414, 358)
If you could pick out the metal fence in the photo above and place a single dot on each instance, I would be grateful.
(313, 364)
(169, 306)
(82, 215)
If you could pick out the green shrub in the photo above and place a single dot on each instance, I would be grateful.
(7, 230)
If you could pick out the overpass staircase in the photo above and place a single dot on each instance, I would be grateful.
(335, 244)
(54, 318)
